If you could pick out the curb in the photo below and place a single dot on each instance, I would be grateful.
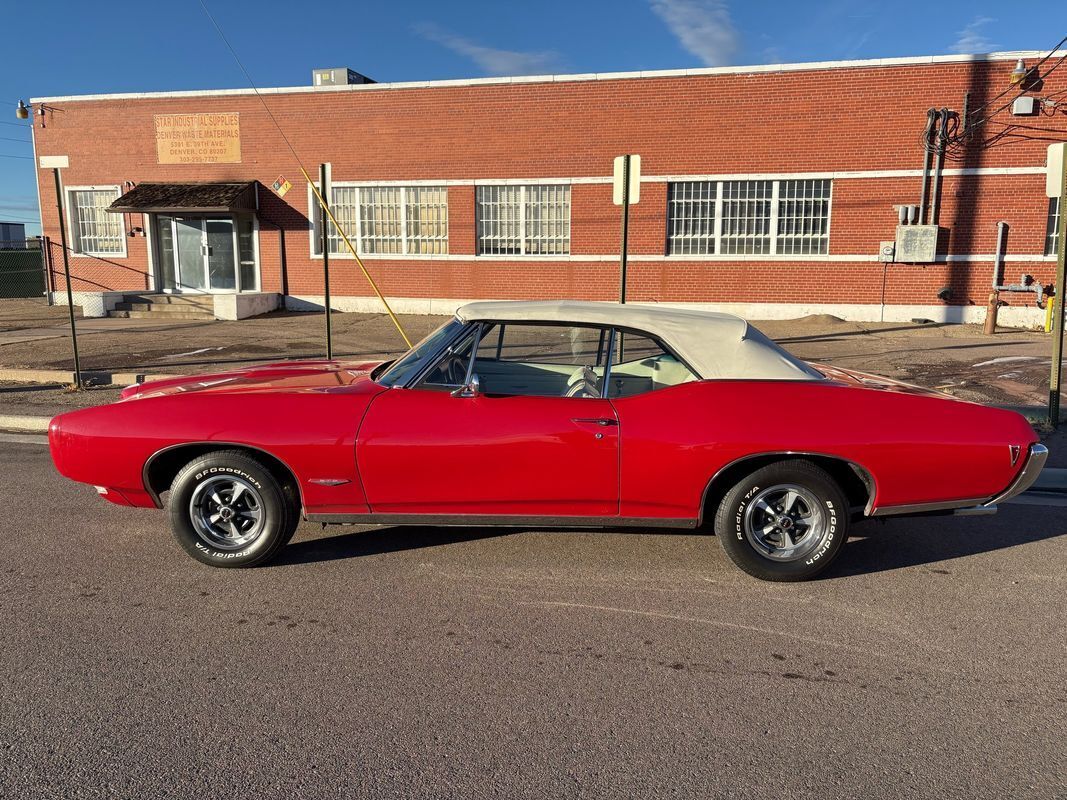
(14, 422)
(89, 376)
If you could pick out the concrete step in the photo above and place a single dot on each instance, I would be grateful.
(199, 300)
(190, 314)
(164, 309)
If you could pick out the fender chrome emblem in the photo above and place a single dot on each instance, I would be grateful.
(330, 481)
(1015, 450)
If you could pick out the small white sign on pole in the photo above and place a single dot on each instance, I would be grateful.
(54, 162)
(1054, 170)
(635, 180)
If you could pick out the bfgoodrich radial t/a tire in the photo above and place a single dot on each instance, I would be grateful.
(228, 510)
(784, 522)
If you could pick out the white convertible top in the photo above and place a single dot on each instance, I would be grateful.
(715, 345)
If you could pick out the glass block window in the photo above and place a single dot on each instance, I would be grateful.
(344, 205)
(381, 215)
(691, 215)
(765, 217)
(803, 217)
(427, 219)
(524, 220)
(391, 220)
(746, 217)
(94, 230)
(1052, 231)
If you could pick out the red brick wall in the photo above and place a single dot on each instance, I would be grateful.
(767, 123)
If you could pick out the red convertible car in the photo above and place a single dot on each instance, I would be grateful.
(551, 414)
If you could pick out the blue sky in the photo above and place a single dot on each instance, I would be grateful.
(118, 46)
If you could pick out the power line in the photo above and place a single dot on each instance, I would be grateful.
(5, 155)
(1035, 67)
(12, 139)
(322, 202)
(251, 83)
(23, 125)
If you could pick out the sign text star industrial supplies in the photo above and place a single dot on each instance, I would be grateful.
(213, 138)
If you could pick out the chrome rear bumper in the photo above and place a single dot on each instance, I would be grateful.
(1035, 462)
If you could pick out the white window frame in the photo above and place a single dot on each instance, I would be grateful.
(775, 200)
(1052, 228)
(73, 239)
(355, 236)
(522, 186)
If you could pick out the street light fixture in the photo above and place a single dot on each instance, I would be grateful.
(1018, 75)
(23, 111)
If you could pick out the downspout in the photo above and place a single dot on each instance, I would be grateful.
(993, 306)
(935, 202)
(998, 257)
(931, 116)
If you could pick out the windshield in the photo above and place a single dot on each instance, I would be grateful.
(416, 358)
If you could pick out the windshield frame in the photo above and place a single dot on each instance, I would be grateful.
(409, 367)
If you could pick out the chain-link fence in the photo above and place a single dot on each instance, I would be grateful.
(22, 269)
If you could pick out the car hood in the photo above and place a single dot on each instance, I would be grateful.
(864, 380)
(286, 376)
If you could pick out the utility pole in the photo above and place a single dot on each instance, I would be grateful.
(1057, 308)
(324, 193)
(66, 273)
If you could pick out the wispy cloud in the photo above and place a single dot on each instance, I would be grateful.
(703, 27)
(972, 39)
(489, 59)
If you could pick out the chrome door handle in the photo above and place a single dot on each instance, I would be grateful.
(602, 421)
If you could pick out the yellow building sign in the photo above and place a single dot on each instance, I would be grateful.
(198, 138)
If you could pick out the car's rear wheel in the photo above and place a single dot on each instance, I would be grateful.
(784, 522)
(227, 509)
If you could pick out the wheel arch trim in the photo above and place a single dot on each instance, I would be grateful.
(864, 474)
(214, 445)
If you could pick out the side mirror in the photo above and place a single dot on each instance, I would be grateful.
(472, 389)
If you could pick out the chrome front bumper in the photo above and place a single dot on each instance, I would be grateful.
(1035, 462)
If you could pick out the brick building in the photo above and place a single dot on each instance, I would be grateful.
(767, 191)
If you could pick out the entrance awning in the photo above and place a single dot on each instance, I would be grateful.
(190, 198)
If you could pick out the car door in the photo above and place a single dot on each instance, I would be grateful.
(517, 447)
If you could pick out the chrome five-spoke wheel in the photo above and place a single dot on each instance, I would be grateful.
(785, 522)
(227, 512)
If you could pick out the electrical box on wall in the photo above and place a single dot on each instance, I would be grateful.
(916, 244)
(886, 250)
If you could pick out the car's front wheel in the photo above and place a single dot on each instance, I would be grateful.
(229, 510)
(784, 522)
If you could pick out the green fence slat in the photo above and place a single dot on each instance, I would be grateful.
(21, 273)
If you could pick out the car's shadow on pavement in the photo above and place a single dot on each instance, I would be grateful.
(910, 542)
(874, 546)
(376, 541)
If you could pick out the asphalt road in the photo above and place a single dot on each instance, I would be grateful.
(465, 663)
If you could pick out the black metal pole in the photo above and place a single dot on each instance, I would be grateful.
(1057, 310)
(66, 272)
(625, 226)
(326, 259)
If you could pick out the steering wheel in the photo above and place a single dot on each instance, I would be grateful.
(456, 371)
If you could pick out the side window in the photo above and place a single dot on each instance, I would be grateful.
(542, 360)
(641, 364)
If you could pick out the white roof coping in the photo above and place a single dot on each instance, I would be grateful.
(904, 61)
(714, 344)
